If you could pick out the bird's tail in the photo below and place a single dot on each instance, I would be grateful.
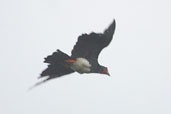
(38, 83)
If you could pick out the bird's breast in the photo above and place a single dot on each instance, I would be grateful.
(81, 65)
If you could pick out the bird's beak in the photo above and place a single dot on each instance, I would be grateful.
(108, 74)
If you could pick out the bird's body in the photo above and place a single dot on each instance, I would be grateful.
(81, 65)
(84, 57)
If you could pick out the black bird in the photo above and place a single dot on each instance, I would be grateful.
(84, 57)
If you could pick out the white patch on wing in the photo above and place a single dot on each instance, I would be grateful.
(81, 65)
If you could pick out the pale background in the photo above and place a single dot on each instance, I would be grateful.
(138, 59)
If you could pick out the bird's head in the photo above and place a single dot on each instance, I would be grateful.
(103, 70)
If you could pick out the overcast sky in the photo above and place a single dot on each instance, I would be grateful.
(138, 58)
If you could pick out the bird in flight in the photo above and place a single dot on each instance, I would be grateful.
(84, 56)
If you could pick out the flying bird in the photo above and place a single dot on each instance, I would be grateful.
(84, 56)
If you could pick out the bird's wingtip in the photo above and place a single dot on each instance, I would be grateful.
(114, 22)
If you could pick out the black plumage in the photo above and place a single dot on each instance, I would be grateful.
(88, 46)
(56, 67)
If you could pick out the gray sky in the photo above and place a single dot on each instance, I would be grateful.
(138, 58)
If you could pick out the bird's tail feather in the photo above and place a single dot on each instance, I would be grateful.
(39, 83)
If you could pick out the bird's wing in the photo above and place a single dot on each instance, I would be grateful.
(90, 45)
(56, 67)
(53, 71)
(56, 70)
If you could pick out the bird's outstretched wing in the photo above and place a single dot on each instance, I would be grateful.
(56, 70)
(56, 67)
(90, 45)
(53, 71)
